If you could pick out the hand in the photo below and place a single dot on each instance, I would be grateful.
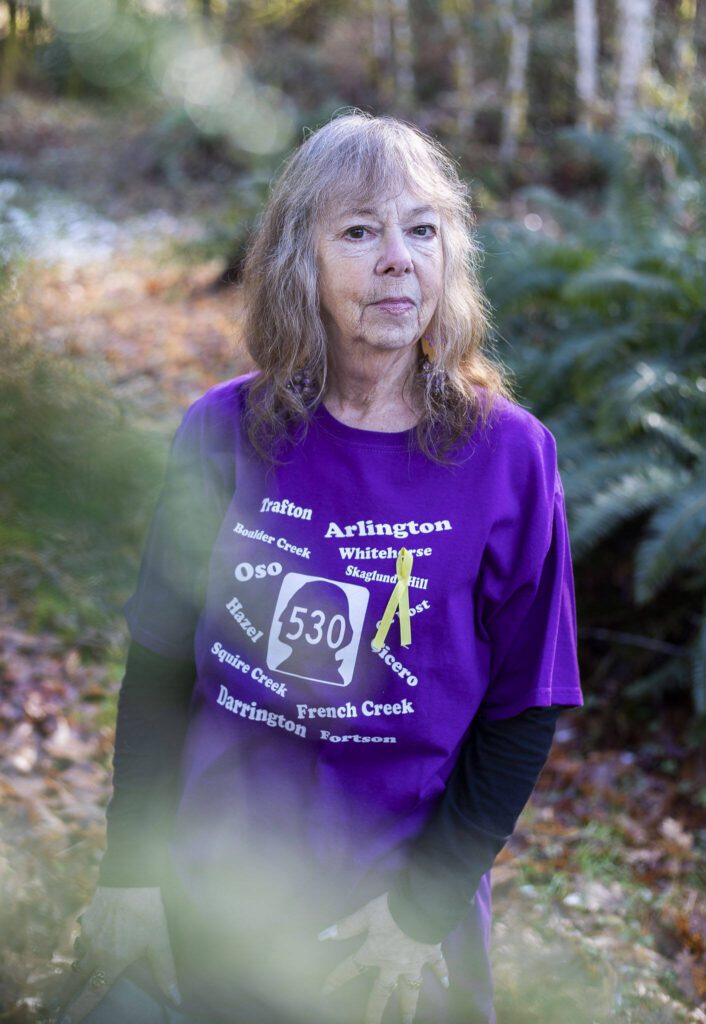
(120, 926)
(398, 958)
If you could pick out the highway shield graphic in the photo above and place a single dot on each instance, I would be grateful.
(316, 629)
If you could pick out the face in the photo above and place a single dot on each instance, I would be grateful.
(390, 250)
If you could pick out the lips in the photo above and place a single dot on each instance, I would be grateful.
(396, 302)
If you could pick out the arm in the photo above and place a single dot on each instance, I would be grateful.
(162, 614)
(527, 615)
(495, 773)
(497, 769)
(151, 723)
(126, 918)
(527, 618)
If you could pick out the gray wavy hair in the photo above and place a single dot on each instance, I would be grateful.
(357, 156)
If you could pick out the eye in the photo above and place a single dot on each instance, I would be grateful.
(425, 227)
(356, 227)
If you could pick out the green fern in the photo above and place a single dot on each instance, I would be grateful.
(635, 493)
(675, 540)
(596, 473)
(698, 679)
(642, 127)
(674, 673)
(600, 315)
(670, 432)
(599, 280)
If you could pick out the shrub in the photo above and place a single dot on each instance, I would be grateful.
(600, 314)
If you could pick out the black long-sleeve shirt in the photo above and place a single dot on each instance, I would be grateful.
(497, 769)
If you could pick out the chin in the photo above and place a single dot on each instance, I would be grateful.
(393, 340)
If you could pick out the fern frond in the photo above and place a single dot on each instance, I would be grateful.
(698, 677)
(597, 281)
(675, 539)
(636, 392)
(526, 280)
(598, 471)
(590, 349)
(633, 494)
(609, 151)
(668, 430)
(646, 128)
(674, 674)
(569, 215)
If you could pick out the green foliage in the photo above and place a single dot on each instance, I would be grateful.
(77, 482)
(600, 314)
(228, 229)
(599, 856)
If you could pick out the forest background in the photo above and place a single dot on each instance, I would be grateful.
(137, 142)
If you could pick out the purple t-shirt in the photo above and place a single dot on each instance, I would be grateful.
(311, 760)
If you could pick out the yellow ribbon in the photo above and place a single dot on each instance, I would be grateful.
(399, 596)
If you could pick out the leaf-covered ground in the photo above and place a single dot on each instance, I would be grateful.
(599, 909)
(599, 901)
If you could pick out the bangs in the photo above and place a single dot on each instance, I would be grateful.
(362, 173)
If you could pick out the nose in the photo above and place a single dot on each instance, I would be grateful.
(395, 257)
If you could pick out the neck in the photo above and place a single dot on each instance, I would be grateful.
(371, 386)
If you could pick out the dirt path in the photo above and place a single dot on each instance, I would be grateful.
(154, 333)
(100, 281)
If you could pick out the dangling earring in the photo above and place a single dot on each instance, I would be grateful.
(428, 348)
(303, 382)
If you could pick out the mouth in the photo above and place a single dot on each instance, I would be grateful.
(399, 305)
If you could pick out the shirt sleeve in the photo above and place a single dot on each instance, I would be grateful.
(497, 769)
(149, 735)
(528, 605)
(198, 483)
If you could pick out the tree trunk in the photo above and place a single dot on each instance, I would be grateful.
(10, 52)
(231, 21)
(515, 107)
(586, 30)
(404, 82)
(685, 57)
(382, 51)
(462, 66)
(635, 27)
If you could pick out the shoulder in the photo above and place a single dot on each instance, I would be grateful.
(218, 411)
(223, 401)
(521, 450)
(514, 431)
(211, 423)
(512, 424)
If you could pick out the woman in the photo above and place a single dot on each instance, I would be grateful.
(353, 628)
